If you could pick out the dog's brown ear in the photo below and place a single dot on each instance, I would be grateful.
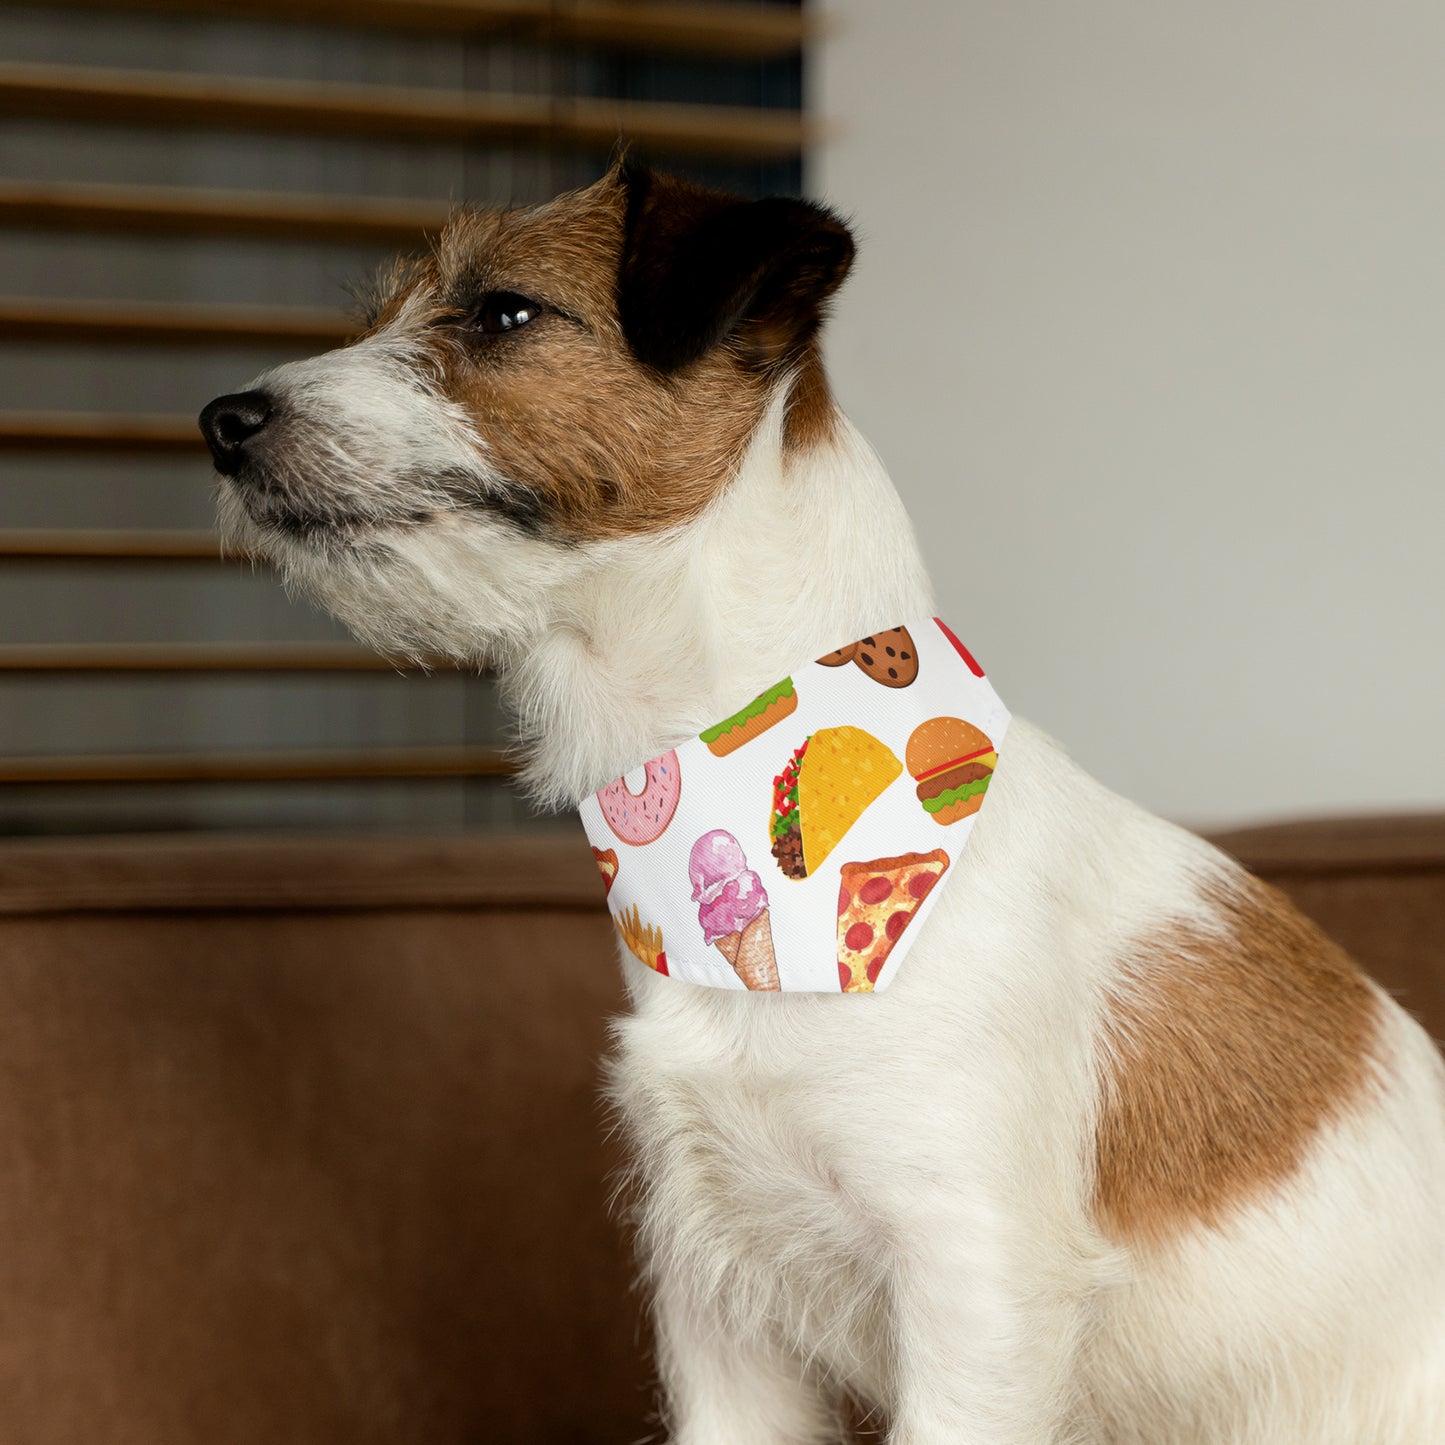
(700, 266)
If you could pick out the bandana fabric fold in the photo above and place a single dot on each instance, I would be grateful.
(800, 843)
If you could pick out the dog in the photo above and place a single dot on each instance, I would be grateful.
(1130, 1154)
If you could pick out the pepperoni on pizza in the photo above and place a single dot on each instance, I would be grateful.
(876, 902)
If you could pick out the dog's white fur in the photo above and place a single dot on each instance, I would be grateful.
(893, 1194)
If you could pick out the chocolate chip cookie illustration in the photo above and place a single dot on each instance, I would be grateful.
(888, 657)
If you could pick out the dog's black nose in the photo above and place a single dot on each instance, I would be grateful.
(229, 422)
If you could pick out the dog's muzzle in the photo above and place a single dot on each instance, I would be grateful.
(230, 422)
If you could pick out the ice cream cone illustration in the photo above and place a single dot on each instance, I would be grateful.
(733, 908)
(750, 951)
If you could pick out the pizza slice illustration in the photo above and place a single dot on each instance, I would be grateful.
(606, 861)
(876, 902)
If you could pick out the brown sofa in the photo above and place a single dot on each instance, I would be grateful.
(301, 1138)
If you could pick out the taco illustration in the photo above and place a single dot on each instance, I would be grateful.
(828, 784)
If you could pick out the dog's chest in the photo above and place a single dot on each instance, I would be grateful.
(755, 1172)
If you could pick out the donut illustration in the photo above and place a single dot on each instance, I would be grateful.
(641, 818)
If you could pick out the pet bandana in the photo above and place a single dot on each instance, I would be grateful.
(799, 843)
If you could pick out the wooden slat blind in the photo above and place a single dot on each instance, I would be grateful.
(713, 29)
(90, 657)
(91, 544)
(111, 96)
(173, 211)
(76, 431)
(96, 322)
(326, 108)
(278, 766)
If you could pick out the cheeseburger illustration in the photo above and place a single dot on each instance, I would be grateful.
(952, 762)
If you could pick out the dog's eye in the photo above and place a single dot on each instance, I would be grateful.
(504, 311)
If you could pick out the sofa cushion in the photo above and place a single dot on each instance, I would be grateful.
(303, 1139)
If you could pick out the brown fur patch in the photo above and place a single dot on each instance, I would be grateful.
(1225, 1055)
(812, 413)
(607, 446)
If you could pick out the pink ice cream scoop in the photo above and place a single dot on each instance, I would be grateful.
(728, 893)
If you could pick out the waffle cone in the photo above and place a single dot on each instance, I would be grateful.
(750, 951)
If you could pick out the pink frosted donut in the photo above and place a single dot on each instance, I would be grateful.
(639, 818)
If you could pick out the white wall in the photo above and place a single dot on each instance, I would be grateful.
(1149, 323)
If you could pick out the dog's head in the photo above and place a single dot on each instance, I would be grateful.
(577, 375)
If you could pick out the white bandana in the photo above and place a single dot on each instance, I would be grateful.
(786, 847)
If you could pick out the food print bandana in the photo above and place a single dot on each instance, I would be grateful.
(799, 843)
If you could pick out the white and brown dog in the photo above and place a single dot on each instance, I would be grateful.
(1130, 1153)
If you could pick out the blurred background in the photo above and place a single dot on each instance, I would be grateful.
(187, 191)
(1149, 324)
(1146, 323)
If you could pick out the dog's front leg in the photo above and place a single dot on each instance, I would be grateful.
(722, 1387)
(984, 1346)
